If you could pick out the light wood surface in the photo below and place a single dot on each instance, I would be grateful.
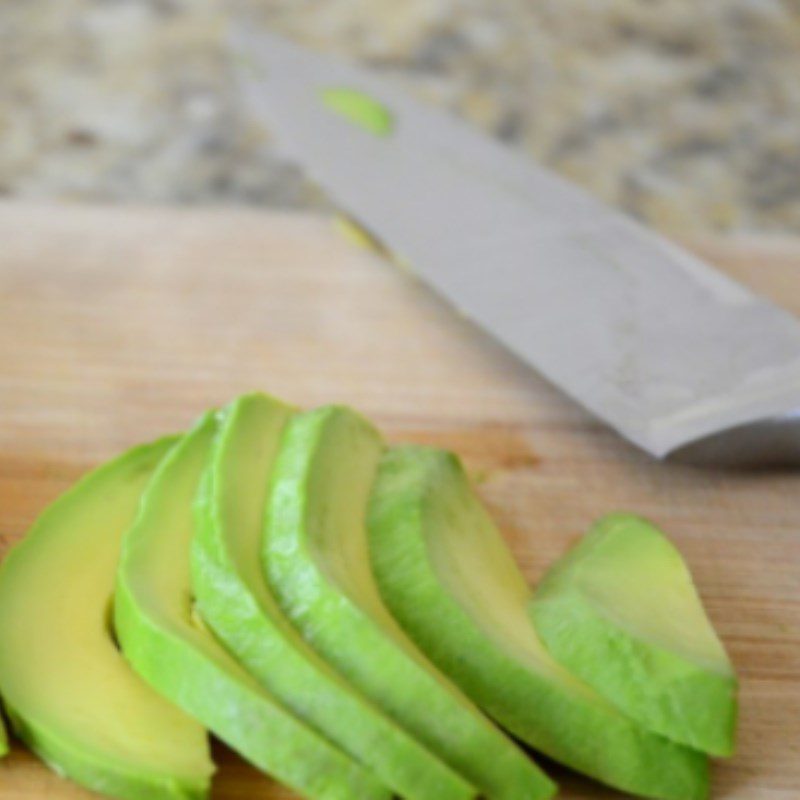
(118, 325)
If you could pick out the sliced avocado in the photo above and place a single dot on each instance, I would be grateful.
(235, 601)
(621, 611)
(448, 577)
(316, 559)
(165, 643)
(3, 740)
(67, 689)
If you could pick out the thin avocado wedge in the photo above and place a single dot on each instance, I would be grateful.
(68, 692)
(316, 559)
(448, 577)
(234, 600)
(621, 611)
(3, 740)
(167, 646)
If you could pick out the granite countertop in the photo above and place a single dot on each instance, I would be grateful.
(684, 114)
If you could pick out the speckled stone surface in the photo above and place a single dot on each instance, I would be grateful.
(684, 114)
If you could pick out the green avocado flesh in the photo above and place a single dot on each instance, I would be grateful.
(68, 691)
(316, 559)
(360, 109)
(446, 574)
(235, 601)
(164, 642)
(3, 740)
(621, 611)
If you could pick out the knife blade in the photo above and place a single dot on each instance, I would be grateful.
(664, 348)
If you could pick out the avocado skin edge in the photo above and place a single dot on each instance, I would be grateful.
(528, 705)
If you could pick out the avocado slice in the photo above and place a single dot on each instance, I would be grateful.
(316, 559)
(234, 600)
(68, 692)
(165, 643)
(621, 611)
(3, 740)
(448, 577)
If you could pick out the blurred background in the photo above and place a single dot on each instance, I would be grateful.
(686, 115)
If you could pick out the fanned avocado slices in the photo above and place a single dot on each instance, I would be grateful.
(68, 691)
(235, 601)
(621, 611)
(164, 642)
(446, 574)
(315, 554)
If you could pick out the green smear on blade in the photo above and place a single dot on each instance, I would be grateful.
(358, 235)
(360, 109)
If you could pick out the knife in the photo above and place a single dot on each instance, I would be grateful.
(678, 358)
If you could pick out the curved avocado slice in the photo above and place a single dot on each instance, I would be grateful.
(180, 659)
(448, 577)
(316, 558)
(68, 691)
(234, 600)
(3, 740)
(621, 611)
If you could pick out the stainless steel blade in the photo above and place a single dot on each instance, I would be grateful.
(646, 336)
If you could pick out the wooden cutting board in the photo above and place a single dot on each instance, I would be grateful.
(117, 325)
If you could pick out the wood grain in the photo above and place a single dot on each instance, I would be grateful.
(119, 324)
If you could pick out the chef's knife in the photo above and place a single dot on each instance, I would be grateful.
(674, 355)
